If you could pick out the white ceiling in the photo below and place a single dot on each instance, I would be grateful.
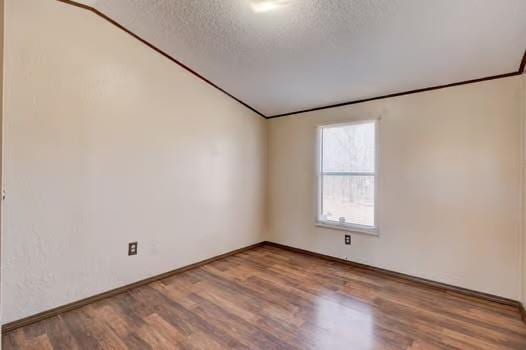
(311, 53)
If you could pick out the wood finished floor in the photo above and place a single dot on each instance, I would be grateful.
(269, 298)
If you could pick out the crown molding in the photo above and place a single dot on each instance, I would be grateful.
(158, 50)
(437, 87)
(519, 71)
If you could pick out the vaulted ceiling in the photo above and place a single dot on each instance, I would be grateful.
(283, 56)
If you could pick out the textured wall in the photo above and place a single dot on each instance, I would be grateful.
(1, 133)
(450, 180)
(108, 142)
(523, 189)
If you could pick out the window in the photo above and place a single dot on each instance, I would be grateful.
(347, 176)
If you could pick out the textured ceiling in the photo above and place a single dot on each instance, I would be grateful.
(311, 53)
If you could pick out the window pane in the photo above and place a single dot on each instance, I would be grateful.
(349, 148)
(351, 197)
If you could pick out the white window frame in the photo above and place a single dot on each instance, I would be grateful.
(350, 227)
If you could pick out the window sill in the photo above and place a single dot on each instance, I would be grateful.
(355, 229)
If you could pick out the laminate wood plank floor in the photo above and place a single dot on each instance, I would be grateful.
(270, 298)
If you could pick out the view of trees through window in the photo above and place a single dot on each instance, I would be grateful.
(347, 181)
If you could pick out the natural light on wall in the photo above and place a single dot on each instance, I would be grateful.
(260, 6)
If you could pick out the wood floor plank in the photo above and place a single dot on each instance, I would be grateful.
(270, 298)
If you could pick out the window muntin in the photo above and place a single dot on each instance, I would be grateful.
(347, 176)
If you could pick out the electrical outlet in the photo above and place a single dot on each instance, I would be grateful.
(348, 239)
(132, 248)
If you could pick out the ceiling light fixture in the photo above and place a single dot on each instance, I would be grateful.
(260, 6)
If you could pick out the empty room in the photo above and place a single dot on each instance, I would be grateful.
(263, 174)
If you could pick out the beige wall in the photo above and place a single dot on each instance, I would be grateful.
(1, 136)
(523, 189)
(108, 142)
(450, 180)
